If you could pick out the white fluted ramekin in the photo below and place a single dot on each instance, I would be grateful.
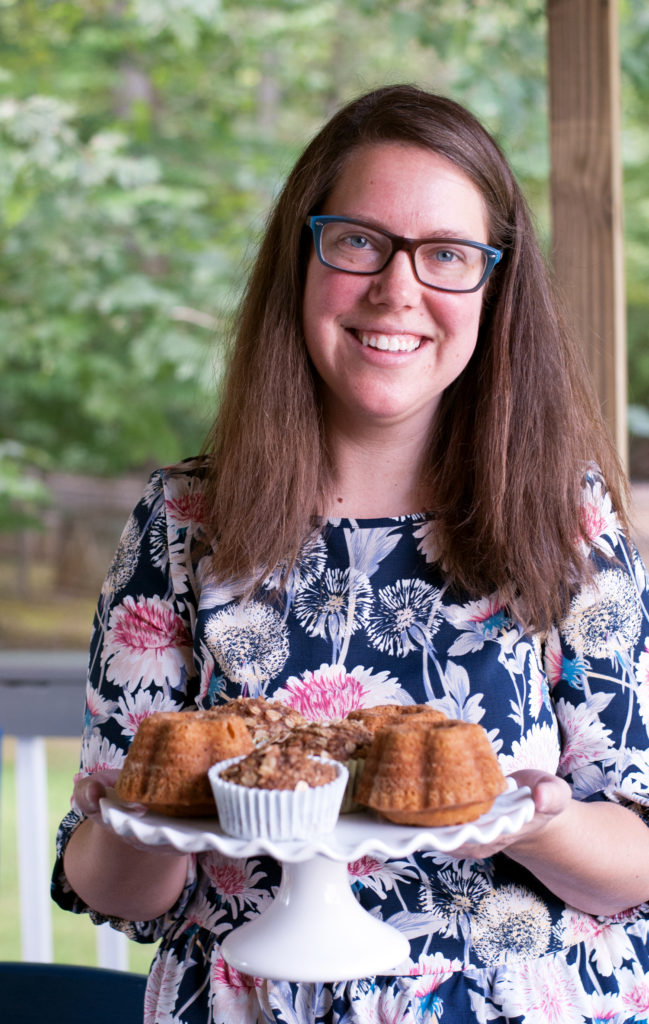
(280, 814)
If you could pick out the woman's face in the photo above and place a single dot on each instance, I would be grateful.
(413, 192)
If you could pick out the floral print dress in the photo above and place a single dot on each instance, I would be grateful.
(365, 618)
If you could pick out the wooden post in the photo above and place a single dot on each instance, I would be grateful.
(586, 190)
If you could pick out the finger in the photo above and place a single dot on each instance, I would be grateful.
(551, 796)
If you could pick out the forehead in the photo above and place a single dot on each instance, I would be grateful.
(408, 189)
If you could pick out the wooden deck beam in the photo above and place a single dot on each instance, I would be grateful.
(586, 190)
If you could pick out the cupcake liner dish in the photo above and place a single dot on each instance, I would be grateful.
(278, 814)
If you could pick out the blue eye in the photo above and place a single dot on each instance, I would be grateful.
(357, 241)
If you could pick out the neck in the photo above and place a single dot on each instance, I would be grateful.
(377, 474)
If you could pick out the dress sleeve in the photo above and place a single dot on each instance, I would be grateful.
(140, 655)
(597, 664)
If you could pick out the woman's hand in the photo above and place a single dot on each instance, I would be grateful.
(115, 875)
(86, 796)
(90, 789)
(591, 854)
(551, 796)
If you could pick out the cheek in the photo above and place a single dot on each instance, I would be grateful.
(328, 295)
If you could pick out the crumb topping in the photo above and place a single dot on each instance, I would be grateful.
(277, 767)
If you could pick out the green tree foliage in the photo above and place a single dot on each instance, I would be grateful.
(142, 142)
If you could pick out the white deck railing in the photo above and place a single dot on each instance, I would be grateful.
(41, 695)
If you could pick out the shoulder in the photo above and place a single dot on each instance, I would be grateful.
(180, 478)
(603, 528)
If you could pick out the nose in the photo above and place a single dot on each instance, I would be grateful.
(396, 285)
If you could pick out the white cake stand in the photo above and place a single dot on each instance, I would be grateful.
(315, 929)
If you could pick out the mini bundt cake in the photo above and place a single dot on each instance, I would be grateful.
(418, 773)
(374, 718)
(267, 720)
(339, 739)
(169, 757)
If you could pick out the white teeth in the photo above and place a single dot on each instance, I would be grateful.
(391, 342)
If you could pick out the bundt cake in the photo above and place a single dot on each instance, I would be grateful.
(374, 718)
(169, 757)
(267, 720)
(418, 773)
(341, 739)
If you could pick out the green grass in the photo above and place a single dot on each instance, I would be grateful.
(74, 936)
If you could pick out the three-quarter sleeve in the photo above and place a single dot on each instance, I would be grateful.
(597, 662)
(141, 654)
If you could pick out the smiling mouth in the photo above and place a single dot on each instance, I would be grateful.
(389, 342)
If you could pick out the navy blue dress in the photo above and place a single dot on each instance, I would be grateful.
(366, 617)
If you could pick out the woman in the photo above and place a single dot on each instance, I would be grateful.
(407, 497)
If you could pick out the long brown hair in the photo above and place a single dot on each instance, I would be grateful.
(512, 435)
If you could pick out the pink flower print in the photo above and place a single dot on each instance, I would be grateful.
(363, 867)
(98, 709)
(538, 748)
(553, 657)
(538, 692)
(476, 622)
(606, 943)
(233, 995)
(634, 989)
(585, 740)
(545, 991)
(433, 970)
(332, 691)
(98, 754)
(132, 709)
(162, 988)
(224, 974)
(187, 509)
(146, 642)
(379, 876)
(235, 881)
(606, 1009)
(598, 518)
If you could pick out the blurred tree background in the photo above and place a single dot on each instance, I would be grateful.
(141, 144)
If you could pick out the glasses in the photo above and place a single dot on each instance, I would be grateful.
(447, 264)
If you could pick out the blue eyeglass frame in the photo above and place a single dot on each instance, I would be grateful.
(401, 243)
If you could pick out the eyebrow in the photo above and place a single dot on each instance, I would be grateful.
(439, 233)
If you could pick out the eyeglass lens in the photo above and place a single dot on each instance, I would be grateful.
(361, 250)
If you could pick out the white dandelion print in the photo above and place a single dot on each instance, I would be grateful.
(335, 606)
(605, 617)
(453, 897)
(125, 560)
(158, 542)
(308, 567)
(511, 924)
(250, 643)
(405, 618)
